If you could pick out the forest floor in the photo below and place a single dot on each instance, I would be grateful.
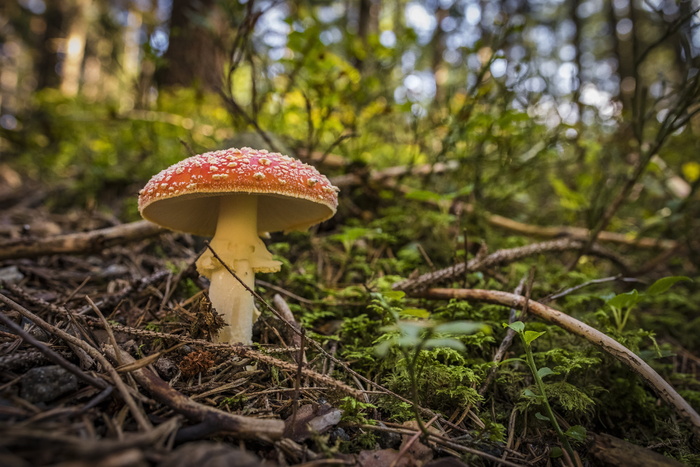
(105, 360)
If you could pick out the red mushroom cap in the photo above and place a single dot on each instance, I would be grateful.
(185, 196)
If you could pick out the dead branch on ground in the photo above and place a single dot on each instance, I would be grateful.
(501, 257)
(211, 420)
(81, 242)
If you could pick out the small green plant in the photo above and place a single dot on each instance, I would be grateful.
(577, 432)
(354, 411)
(621, 305)
(412, 337)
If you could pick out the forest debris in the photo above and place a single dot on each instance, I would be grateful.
(577, 233)
(574, 326)
(129, 458)
(613, 451)
(198, 361)
(211, 454)
(310, 419)
(11, 275)
(292, 332)
(212, 420)
(49, 353)
(46, 383)
(499, 257)
(81, 242)
(383, 458)
(135, 410)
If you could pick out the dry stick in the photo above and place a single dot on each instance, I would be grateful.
(214, 419)
(579, 233)
(411, 441)
(82, 242)
(574, 326)
(141, 419)
(499, 257)
(440, 440)
(52, 354)
(575, 232)
(323, 351)
(95, 449)
(505, 343)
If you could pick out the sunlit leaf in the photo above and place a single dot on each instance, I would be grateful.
(624, 300)
(417, 312)
(530, 336)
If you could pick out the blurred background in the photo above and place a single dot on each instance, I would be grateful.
(552, 110)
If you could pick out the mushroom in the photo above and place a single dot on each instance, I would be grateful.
(235, 195)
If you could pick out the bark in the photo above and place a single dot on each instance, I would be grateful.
(194, 56)
(74, 46)
(47, 58)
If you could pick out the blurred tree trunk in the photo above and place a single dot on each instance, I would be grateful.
(76, 17)
(437, 49)
(46, 46)
(367, 23)
(194, 57)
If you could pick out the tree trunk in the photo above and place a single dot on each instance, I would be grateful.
(193, 58)
(74, 46)
(47, 57)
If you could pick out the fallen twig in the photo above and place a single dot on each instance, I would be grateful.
(51, 354)
(81, 242)
(218, 420)
(499, 257)
(603, 341)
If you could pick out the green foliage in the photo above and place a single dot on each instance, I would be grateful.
(621, 305)
(354, 411)
(564, 392)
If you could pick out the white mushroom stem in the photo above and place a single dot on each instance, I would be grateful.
(237, 243)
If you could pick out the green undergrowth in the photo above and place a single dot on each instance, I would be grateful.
(398, 342)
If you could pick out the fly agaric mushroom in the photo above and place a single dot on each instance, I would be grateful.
(234, 195)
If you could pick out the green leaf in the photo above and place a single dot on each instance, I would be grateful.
(544, 371)
(459, 327)
(529, 394)
(539, 416)
(417, 312)
(576, 432)
(382, 349)
(517, 326)
(556, 452)
(624, 300)
(530, 336)
(394, 294)
(451, 343)
(665, 283)
(424, 195)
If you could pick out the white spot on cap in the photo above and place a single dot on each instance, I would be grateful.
(259, 176)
